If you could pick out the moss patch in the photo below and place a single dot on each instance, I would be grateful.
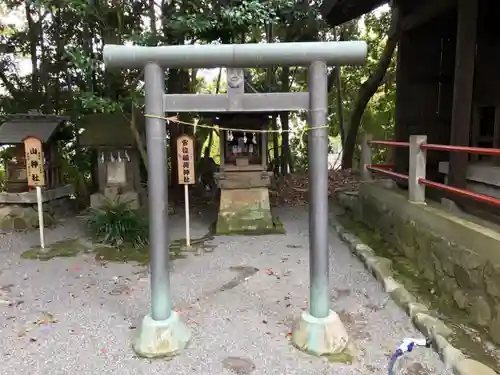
(177, 249)
(74, 247)
(402, 266)
(345, 357)
(123, 254)
(277, 228)
(196, 243)
(60, 249)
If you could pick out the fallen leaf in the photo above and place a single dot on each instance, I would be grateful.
(119, 290)
(293, 190)
(47, 318)
(22, 332)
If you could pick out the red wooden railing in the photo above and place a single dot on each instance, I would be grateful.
(384, 169)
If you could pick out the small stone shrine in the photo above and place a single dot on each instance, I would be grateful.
(243, 176)
(18, 200)
(118, 159)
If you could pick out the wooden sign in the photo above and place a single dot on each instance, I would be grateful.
(185, 160)
(34, 161)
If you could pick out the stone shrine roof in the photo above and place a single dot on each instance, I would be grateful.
(20, 126)
(109, 130)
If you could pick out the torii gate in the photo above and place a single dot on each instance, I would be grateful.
(319, 330)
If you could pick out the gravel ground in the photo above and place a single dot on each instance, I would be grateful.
(76, 315)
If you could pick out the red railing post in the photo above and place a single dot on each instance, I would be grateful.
(418, 161)
(366, 157)
(417, 182)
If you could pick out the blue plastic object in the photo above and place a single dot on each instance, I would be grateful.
(406, 346)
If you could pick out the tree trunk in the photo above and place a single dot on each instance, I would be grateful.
(276, 151)
(33, 33)
(208, 149)
(285, 117)
(111, 31)
(367, 90)
(138, 139)
(11, 88)
(206, 154)
(58, 69)
(286, 155)
(173, 86)
(152, 22)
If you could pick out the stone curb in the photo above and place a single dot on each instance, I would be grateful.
(421, 317)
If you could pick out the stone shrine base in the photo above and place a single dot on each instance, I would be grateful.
(22, 217)
(244, 210)
(18, 211)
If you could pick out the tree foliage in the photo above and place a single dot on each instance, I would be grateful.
(62, 40)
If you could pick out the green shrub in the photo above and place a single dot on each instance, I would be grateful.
(117, 224)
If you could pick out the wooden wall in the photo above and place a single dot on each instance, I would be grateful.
(425, 81)
(486, 98)
(487, 71)
(425, 88)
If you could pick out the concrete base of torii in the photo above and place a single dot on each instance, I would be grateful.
(320, 336)
(165, 338)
